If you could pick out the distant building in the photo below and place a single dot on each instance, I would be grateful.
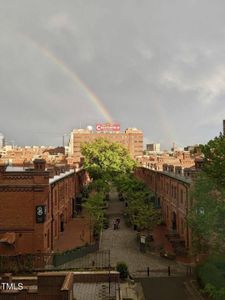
(193, 149)
(153, 147)
(24, 156)
(2, 140)
(132, 139)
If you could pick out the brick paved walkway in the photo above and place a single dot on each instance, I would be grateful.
(124, 247)
(76, 233)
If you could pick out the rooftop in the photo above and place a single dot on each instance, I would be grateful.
(173, 175)
(176, 176)
(60, 176)
(15, 169)
(95, 291)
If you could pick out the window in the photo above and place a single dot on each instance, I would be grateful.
(181, 196)
(48, 207)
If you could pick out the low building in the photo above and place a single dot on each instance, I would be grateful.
(172, 195)
(62, 286)
(35, 206)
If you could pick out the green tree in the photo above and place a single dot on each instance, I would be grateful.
(206, 216)
(122, 268)
(140, 212)
(94, 206)
(106, 159)
(144, 216)
(214, 154)
(100, 185)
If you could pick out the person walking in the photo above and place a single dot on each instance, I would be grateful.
(114, 224)
(118, 223)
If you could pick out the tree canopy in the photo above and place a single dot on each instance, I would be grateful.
(214, 154)
(105, 158)
(94, 206)
(207, 214)
(140, 211)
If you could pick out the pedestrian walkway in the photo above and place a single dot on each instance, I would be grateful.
(124, 247)
(76, 234)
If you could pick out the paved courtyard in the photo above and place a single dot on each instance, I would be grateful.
(124, 247)
(174, 288)
(76, 234)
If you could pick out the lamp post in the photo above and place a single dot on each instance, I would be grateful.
(109, 276)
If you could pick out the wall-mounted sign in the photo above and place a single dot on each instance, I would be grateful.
(107, 127)
(40, 213)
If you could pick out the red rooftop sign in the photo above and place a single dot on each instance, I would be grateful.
(107, 127)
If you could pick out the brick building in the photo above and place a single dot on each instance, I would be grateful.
(61, 286)
(24, 156)
(2, 140)
(35, 206)
(182, 159)
(172, 194)
(132, 139)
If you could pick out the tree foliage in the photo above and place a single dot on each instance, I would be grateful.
(214, 154)
(207, 214)
(99, 185)
(144, 216)
(212, 278)
(206, 217)
(104, 158)
(110, 164)
(122, 268)
(141, 212)
(94, 206)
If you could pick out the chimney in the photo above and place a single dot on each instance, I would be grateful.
(3, 167)
(39, 165)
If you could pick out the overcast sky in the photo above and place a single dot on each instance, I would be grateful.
(157, 65)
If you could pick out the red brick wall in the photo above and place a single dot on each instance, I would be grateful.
(173, 195)
(20, 193)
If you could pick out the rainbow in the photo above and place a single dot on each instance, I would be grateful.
(75, 78)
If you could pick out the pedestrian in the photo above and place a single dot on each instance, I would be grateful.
(169, 271)
(114, 224)
(118, 223)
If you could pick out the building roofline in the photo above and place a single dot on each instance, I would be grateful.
(172, 175)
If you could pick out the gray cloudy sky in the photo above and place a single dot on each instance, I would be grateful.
(157, 65)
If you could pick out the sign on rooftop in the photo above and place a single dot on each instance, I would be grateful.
(107, 127)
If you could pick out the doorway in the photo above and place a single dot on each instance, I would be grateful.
(61, 223)
(174, 221)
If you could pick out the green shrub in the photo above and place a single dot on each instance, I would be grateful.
(122, 268)
(209, 273)
(211, 276)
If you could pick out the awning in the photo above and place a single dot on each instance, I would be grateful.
(8, 238)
